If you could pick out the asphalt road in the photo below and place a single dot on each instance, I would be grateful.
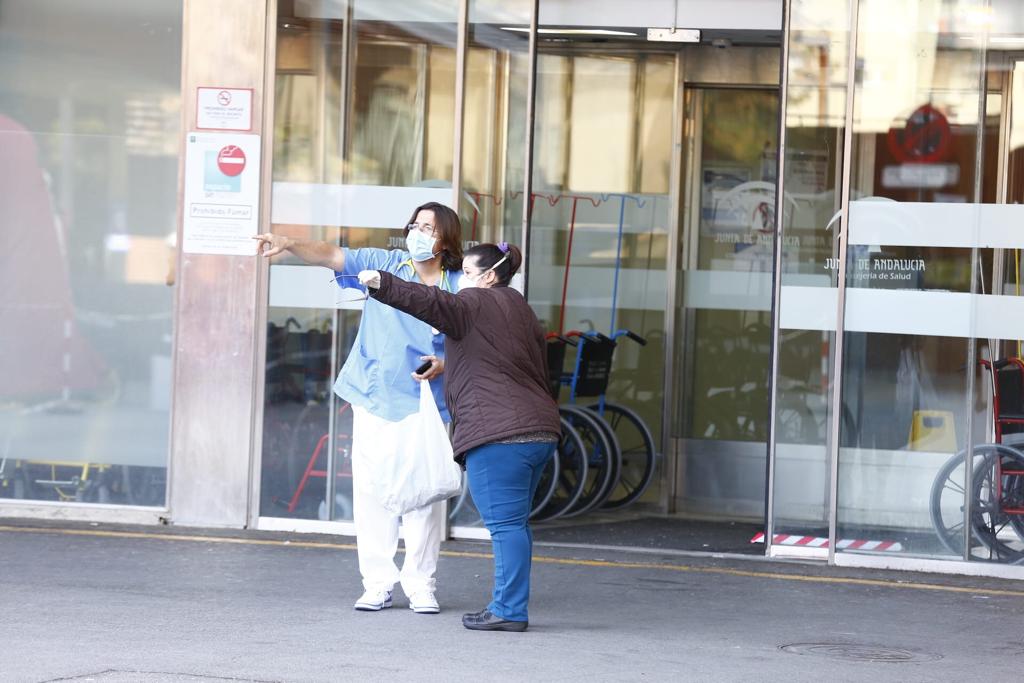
(101, 604)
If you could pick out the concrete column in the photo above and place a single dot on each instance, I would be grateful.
(217, 301)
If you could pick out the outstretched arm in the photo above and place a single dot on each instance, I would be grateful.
(314, 252)
(451, 314)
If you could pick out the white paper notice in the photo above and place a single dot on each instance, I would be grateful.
(222, 193)
(224, 109)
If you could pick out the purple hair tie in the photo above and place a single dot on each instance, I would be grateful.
(503, 247)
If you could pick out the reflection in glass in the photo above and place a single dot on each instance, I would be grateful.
(906, 392)
(364, 114)
(919, 379)
(494, 131)
(725, 320)
(494, 135)
(88, 171)
(814, 128)
(600, 212)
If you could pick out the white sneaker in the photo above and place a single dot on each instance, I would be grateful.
(374, 601)
(424, 602)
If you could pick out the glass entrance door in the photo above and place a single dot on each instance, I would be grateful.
(916, 293)
(370, 101)
(933, 308)
(724, 314)
(814, 113)
(912, 273)
(615, 245)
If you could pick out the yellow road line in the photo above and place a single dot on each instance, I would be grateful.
(178, 537)
(537, 559)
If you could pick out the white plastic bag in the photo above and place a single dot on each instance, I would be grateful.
(421, 470)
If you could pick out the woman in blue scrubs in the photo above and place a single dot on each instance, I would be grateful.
(379, 380)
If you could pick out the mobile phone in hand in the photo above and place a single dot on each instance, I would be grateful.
(423, 368)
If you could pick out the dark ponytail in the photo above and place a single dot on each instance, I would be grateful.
(486, 255)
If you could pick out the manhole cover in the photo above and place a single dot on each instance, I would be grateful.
(859, 653)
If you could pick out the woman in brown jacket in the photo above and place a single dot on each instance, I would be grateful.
(496, 386)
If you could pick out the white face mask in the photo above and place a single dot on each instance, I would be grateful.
(466, 282)
(421, 247)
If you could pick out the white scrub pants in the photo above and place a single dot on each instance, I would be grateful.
(377, 528)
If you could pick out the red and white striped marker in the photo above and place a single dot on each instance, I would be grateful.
(819, 542)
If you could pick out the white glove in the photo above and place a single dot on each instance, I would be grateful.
(369, 278)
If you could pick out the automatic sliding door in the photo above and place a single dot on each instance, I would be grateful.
(725, 312)
(814, 112)
(912, 269)
(920, 458)
(364, 113)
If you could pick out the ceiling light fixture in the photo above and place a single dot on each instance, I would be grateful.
(572, 31)
(673, 35)
(997, 40)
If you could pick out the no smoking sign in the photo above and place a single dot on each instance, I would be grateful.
(224, 108)
(231, 160)
(222, 195)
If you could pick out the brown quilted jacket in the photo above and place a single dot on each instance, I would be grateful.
(495, 376)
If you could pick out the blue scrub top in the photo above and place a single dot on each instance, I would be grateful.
(377, 374)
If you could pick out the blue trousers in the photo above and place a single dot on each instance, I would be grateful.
(502, 480)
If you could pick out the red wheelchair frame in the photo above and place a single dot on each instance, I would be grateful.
(344, 468)
(1007, 390)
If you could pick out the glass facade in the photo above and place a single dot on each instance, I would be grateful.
(600, 217)
(495, 134)
(927, 315)
(90, 110)
(814, 120)
(917, 270)
(364, 107)
(724, 327)
(905, 383)
(826, 345)
(365, 126)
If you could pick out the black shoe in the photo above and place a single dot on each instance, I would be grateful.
(485, 621)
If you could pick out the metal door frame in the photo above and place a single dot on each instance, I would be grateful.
(964, 566)
(687, 133)
(347, 528)
(684, 250)
(835, 351)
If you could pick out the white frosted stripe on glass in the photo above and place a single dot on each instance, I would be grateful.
(931, 314)
(935, 314)
(591, 287)
(808, 308)
(728, 290)
(358, 206)
(885, 223)
(736, 290)
(309, 287)
(1000, 317)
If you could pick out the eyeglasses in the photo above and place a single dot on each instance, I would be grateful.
(425, 228)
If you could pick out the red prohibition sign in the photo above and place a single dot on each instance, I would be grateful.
(224, 98)
(925, 138)
(231, 160)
